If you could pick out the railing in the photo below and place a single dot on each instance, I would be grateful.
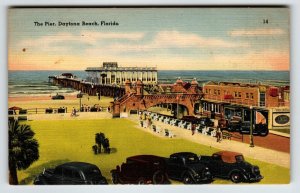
(54, 110)
(240, 101)
(247, 102)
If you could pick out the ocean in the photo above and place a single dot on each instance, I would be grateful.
(29, 83)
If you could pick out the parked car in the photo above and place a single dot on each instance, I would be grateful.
(71, 173)
(141, 169)
(186, 167)
(258, 129)
(58, 97)
(244, 127)
(206, 122)
(231, 165)
(234, 125)
(191, 119)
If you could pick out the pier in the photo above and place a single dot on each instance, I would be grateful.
(87, 87)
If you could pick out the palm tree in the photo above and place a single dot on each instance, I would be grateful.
(23, 149)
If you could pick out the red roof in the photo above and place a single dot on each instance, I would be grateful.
(228, 156)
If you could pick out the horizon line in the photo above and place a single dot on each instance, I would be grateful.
(161, 70)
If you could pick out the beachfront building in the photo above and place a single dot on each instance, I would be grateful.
(228, 99)
(111, 74)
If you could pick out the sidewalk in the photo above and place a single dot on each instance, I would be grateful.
(259, 153)
(280, 133)
(67, 116)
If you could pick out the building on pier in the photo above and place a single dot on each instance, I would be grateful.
(111, 74)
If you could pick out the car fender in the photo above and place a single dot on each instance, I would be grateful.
(40, 180)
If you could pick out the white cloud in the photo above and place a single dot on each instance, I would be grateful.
(178, 39)
(91, 36)
(49, 43)
(165, 40)
(257, 32)
(162, 40)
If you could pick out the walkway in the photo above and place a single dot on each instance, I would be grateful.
(67, 116)
(259, 153)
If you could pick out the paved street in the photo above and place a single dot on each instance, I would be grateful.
(259, 153)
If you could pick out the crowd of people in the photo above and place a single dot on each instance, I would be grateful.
(94, 108)
(146, 119)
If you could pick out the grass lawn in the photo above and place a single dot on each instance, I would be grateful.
(72, 140)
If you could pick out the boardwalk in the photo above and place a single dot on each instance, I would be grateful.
(259, 153)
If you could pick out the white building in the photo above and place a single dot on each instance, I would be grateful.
(110, 73)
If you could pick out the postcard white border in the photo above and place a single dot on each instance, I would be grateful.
(295, 104)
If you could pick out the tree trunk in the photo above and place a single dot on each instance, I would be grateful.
(13, 177)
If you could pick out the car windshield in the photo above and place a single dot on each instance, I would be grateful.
(191, 159)
(239, 158)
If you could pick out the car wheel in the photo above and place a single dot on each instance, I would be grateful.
(264, 133)
(40, 182)
(187, 179)
(236, 177)
(158, 177)
(115, 179)
(141, 181)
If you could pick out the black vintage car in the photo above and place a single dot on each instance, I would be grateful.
(205, 121)
(58, 97)
(258, 129)
(243, 127)
(231, 165)
(186, 167)
(141, 169)
(71, 173)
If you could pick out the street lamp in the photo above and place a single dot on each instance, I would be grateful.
(178, 97)
(177, 111)
(251, 127)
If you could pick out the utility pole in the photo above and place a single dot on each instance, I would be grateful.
(251, 127)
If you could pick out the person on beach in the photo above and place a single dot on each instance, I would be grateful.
(144, 116)
(141, 117)
(219, 134)
(149, 121)
(141, 123)
(73, 114)
(193, 129)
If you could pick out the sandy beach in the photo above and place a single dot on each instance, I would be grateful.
(45, 101)
(36, 98)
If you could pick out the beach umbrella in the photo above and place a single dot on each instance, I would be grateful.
(14, 108)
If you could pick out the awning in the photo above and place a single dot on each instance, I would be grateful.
(15, 108)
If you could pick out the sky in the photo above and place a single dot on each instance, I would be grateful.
(166, 38)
